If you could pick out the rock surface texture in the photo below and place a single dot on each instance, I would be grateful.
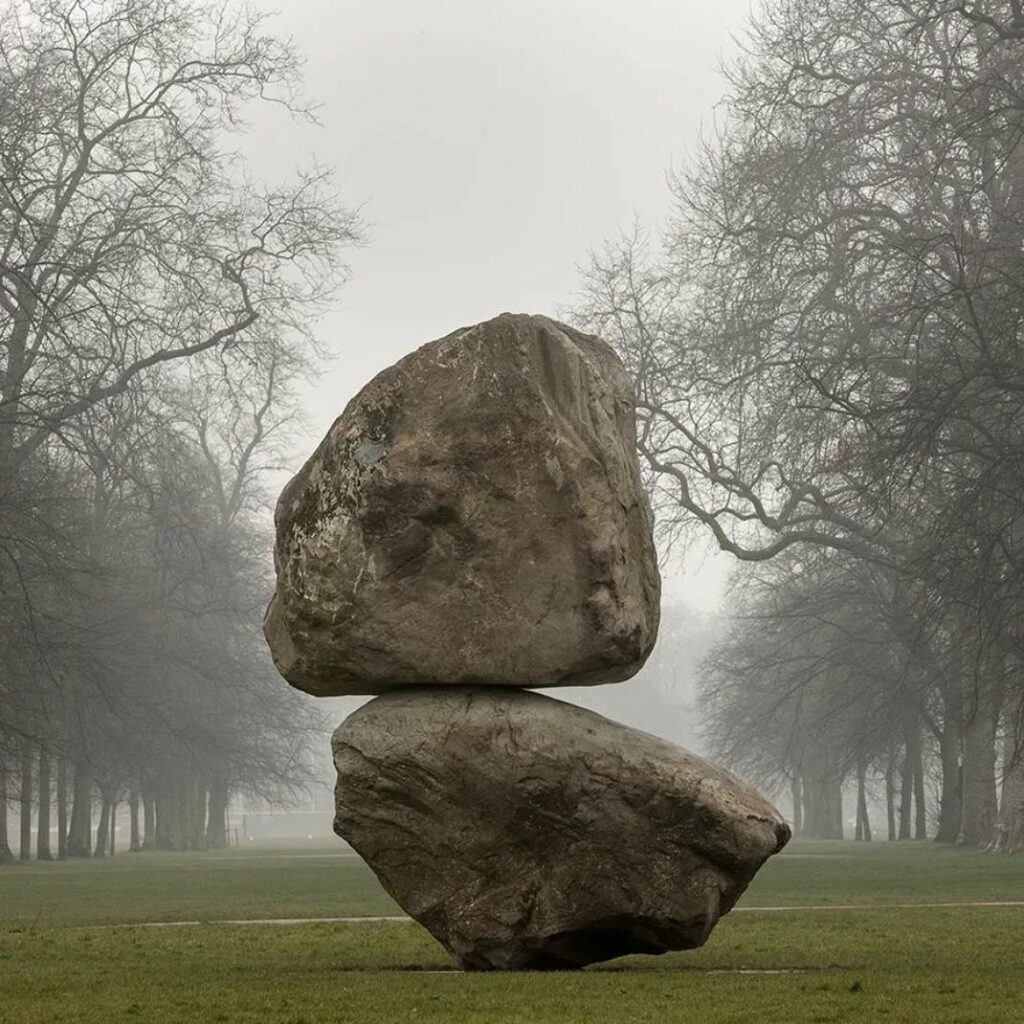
(474, 516)
(524, 832)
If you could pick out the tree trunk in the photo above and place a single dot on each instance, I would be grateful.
(168, 816)
(62, 807)
(80, 829)
(890, 797)
(6, 856)
(43, 818)
(979, 812)
(103, 830)
(197, 819)
(836, 808)
(149, 820)
(25, 794)
(1010, 832)
(823, 815)
(183, 800)
(113, 826)
(906, 794)
(135, 841)
(863, 824)
(1009, 836)
(162, 819)
(950, 808)
(217, 817)
(916, 758)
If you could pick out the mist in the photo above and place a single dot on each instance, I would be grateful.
(650, 376)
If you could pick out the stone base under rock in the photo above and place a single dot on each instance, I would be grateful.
(527, 833)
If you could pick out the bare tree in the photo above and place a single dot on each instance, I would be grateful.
(828, 352)
(145, 282)
(129, 236)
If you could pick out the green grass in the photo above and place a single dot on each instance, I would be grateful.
(919, 965)
(190, 887)
(253, 883)
(838, 873)
(894, 965)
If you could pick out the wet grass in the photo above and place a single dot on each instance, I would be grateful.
(323, 882)
(839, 873)
(229, 884)
(901, 965)
(918, 965)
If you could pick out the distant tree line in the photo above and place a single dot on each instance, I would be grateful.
(829, 356)
(156, 309)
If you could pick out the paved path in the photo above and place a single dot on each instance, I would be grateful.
(259, 920)
(400, 919)
(887, 906)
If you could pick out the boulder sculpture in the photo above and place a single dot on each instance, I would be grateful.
(524, 832)
(472, 525)
(474, 516)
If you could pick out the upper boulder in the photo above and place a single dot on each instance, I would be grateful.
(474, 516)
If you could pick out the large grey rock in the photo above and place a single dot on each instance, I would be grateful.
(524, 832)
(474, 516)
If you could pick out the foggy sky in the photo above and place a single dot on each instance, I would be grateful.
(490, 145)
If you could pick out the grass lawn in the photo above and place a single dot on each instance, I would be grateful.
(229, 885)
(915, 965)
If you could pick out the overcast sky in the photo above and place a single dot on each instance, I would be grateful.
(491, 144)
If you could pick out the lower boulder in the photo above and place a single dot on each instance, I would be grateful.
(527, 833)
